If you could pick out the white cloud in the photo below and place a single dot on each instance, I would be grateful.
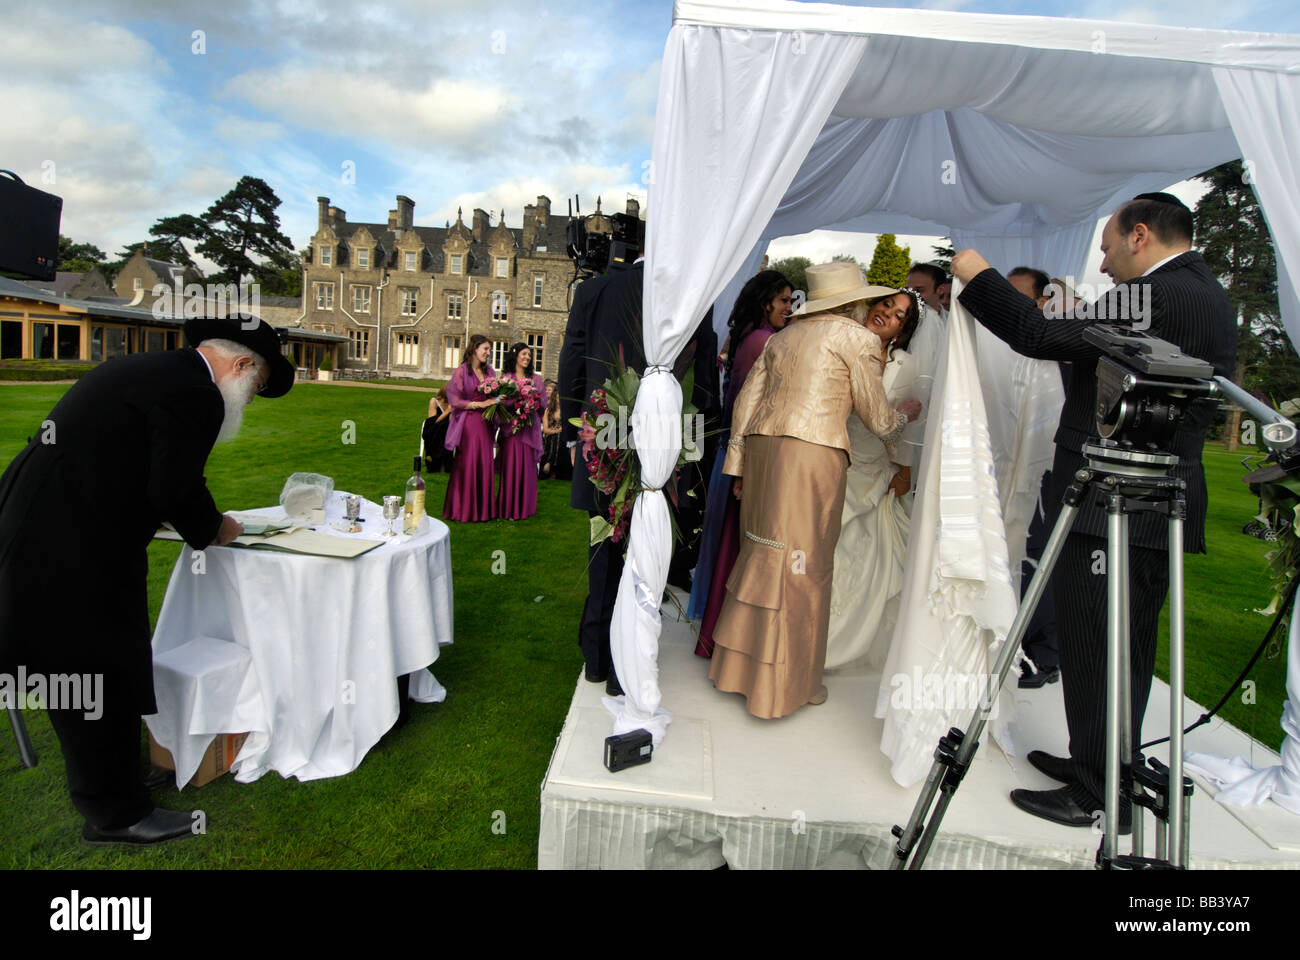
(344, 105)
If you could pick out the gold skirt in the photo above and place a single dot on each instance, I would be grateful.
(771, 633)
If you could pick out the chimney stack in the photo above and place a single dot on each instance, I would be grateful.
(405, 213)
(543, 210)
(322, 212)
(481, 224)
(633, 207)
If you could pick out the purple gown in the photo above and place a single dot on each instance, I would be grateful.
(517, 459)
(469, 489)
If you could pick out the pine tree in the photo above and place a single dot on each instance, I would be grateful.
(889, 263)
(943, 255)
(240, 233)
(1233, 237)
(795, 270)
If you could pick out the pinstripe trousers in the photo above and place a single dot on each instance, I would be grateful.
(1080, 584)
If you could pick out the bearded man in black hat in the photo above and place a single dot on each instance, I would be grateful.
(122, 452)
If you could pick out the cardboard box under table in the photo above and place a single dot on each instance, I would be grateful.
(198, 686)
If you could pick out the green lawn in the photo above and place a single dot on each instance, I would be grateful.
(429, 794)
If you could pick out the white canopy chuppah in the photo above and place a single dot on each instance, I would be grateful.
(1010, 134)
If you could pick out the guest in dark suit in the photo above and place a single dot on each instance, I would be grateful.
(1147, 248)
(606, 317)
(122, 452)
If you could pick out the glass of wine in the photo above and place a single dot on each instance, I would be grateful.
(392, 510)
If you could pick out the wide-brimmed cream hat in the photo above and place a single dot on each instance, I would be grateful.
(835, 284)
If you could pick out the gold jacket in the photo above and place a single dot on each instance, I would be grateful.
(808, 379)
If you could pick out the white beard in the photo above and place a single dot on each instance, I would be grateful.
(237, 392)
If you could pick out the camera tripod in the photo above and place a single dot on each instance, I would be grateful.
(1128, 481)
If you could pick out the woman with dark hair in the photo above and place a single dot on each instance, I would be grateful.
(469, 489)
(520, 446)
(434, 432)
(555, 459)
(874, 524)
(762, 308)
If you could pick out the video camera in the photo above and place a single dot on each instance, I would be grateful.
(29, 242)
(593, 252)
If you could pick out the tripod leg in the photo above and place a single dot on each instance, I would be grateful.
(1125, 684)
(1177, 821)
(1116, 576)
(25, 749)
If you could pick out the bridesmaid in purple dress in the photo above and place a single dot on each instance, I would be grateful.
(762, 308)
(469, 490)
(519, 453)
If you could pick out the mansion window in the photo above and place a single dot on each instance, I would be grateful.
(358, 344)
(537, 343)
(499, 350)
(361, 299)
(324, 256)
(410, 301)
(324, 296)
(457, 261)
(537, 291)
(410, 260)
(363, 258)
(11, 339)
(406, 349)
(108, 342)
(451, 353)
(62, 341)
(503, 267)
(455, 306)
(500, 306)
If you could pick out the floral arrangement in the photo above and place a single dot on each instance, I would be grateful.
(609, 450)
(527, 404)
(502, 387)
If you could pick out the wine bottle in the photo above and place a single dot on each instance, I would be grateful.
(414, 502)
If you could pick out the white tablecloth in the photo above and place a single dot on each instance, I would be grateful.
(301, 652)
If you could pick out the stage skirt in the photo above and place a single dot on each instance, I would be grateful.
(469, 489)
(771, 635)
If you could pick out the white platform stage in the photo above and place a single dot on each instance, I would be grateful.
(813, 790)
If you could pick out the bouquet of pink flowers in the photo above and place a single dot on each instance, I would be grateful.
(527, 404)
(502, 387)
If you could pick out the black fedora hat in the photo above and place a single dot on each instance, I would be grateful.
(264, 339)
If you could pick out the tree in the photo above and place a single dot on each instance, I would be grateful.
(890, 262)
(795, 270)
(79, 257)
(286, 282)
(943, 255)
(240, 233)
(1234, 239)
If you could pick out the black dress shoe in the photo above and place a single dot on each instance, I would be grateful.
(1059, 807)
(1058, 768)
(1033, 679)
(158, 826)
(593, 677)
(611, 686)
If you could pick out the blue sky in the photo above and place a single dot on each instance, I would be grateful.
(136, 111)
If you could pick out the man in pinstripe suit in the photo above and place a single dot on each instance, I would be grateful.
(1147, 252)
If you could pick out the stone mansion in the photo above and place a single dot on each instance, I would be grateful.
(408, 298)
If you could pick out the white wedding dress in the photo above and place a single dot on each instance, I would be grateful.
(873, 532)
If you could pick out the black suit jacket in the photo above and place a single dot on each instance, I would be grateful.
(122, 451)
(1187, 306)
(606, 315)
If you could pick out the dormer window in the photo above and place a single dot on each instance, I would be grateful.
(363, 258)
(457, 262)
(503, 266)
(410, 260)
(324, 256)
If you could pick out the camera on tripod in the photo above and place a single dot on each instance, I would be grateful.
(1145, 386)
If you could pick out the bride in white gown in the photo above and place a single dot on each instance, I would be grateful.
(874, 527)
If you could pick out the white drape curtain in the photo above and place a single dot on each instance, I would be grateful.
(1264, 108)
(745, 108)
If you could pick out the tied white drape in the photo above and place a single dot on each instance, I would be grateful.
(958, 601)
(737, 112)
(1241, 783)
(1264, 108)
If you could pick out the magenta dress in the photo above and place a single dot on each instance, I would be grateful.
(729, 537)
(469, 489)
(517, 458)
